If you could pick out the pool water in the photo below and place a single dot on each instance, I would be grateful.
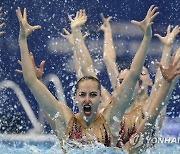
(48, 144)
(38, 146)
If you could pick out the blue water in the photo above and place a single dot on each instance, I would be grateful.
(35, 145)
(49, 147)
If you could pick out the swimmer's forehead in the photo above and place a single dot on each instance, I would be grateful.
(123, 74)
(88, 85)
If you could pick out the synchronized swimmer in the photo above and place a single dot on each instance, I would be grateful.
(112, 119)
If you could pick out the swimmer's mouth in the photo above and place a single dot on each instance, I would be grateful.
(140, 82)
(87, 109)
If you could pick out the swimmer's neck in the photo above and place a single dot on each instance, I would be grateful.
(139, 100)
(88, 123)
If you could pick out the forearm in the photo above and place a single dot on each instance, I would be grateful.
(155, 106)
(138, 61)
(164, 61)
(109, 57)
(82, 52)
(77, 66)
(27, 65)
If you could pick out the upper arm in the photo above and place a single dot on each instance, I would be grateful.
(121, 100)
(49, 103)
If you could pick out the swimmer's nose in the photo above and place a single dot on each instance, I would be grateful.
(87, 100)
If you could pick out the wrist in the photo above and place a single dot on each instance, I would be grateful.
(76, 29)
(22, 37)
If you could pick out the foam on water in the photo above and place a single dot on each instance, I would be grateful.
(93, 149)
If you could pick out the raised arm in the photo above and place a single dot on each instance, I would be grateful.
(1, 25)
(70, 39)
(82, 52)
(38, 70)
(46, 100)
(124, 92)
(171, 75)
(83, 55)
(109, 54)
(167, 42)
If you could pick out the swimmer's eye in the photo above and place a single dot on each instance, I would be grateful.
(143, 73)
(82, 94)
(93, 94)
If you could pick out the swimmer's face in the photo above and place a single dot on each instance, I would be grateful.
(122, 75)
(88, 99)
(145, 79)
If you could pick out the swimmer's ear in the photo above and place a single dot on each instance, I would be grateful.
(75, 97)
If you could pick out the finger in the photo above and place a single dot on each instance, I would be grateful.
(19, 14)
(159, 36)
(36, 27)
(1, 25)
(80, 15)
(70, 17)
(176, 30)
(42, 65)
(150, 24)
(159, 65)
(102, 16)
(83, 13)
(150, 9)
(32, 58)
(77, 14)
(65, 30)
(152, 18)
(154, 10)
(109, 18)
(135, 22)
(65, 36)
(168, 29)
(86, 34)
(3, 32)
(18, 71)
(19, 62)
(25, 14)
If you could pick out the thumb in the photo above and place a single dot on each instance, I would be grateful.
(36, 27)
(135, 22)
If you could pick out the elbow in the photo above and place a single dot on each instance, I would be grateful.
(106, 60)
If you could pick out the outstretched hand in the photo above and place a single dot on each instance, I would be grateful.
(170, 36)
(38, 70)
(25, 28)
(1, 25)
(106, 23)
(79, 20)
(172, 70)
(145, 24)
(69, 36)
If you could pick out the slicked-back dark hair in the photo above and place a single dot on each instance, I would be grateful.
(85, 78)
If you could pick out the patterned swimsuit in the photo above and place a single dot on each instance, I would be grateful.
(99, 130)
